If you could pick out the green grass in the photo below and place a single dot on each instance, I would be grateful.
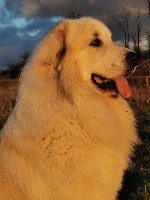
(136, 183)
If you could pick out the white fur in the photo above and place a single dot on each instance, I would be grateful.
(66, 139)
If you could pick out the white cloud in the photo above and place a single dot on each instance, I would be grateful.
(33, 33)
(144, 43)
(136, 10)
(19, 22)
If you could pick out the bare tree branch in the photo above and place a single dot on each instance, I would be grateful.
(149, 8)
(139, 29)
(122, 19)
(74, 13)
(148, 29)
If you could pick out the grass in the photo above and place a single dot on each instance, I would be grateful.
(136, 183)
(140, 94)
(8, 93)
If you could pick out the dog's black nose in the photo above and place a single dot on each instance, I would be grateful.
(132, 59)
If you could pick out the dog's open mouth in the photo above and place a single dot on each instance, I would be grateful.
(118, 85)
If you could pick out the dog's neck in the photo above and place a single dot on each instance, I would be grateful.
(34, 114)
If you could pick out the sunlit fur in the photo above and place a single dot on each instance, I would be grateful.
(66, 139)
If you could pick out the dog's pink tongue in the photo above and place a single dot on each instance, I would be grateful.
(123, 87)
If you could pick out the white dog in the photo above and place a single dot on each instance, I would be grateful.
(71, 132)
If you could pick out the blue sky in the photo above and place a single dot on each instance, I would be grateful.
(23, 22)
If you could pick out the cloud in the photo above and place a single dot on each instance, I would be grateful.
(46, 8)
(14, 6)
(24, 22)
(135, 11)
(7, 54)
(19, 35)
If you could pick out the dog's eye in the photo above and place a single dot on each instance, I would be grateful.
(96, 43)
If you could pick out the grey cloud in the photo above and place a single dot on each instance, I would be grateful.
(42, 9)
(14, 6)
(97, 8)
(14, 40)
(42, 25)
(8, 54)
(8, 35)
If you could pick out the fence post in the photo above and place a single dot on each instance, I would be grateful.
(147, 88)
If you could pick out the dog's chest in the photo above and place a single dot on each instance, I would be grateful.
(77, 163)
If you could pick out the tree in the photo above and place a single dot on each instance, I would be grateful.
(74, 13)
(122, 19)
(148, 40)
(4, 74)
(133, 36)
(148, 30)
(25, 56)
(15, 68)
(139, 30)
(148, 8)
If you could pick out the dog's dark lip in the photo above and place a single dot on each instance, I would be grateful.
(107, 85)
(130, 72)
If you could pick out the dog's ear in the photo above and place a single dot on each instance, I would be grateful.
(52, 48)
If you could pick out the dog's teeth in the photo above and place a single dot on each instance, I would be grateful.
(97, 79)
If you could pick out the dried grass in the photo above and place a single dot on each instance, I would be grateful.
(8, 93)
(140, 93)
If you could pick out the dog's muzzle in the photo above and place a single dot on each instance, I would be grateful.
(119, 84)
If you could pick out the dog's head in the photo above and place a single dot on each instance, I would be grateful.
(82, 50)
